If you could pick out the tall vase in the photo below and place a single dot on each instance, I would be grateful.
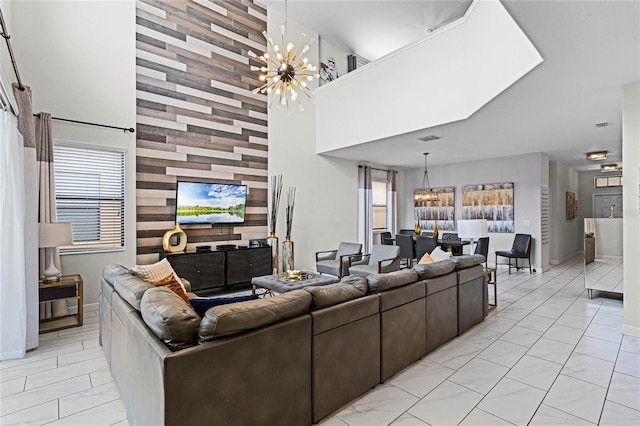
(275, 258)
(287, 255)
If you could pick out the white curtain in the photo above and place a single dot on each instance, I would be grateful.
(392, 203)
(365, 209)
(27, 130)
(13, 316)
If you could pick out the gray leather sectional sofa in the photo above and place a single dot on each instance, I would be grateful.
(292, 359)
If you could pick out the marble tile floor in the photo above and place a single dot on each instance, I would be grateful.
(547, 355)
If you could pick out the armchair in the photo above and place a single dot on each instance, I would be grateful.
(521, 249)
(382, 259)
(336, 262)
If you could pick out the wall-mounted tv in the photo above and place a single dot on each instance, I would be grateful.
(210, 203)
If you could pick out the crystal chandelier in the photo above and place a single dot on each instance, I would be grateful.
(286, 71)
(425, 195)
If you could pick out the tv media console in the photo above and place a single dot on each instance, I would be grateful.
(221, 269)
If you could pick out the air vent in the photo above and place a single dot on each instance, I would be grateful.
(429, 138)
(603, 124)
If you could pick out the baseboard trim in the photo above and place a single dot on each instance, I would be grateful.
(564, 259)
(630, 330)
(91, 307)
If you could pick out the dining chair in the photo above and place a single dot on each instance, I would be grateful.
(521, 249)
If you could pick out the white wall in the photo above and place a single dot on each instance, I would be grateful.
(458, 68)
(79, 59)
(631, 200)
(566, 239)
(5, 61)
(326, 209)
(527, 172)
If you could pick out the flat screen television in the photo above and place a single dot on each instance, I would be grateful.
(210, 203)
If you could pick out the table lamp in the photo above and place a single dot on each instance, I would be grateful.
(50, 236)
(472, 230)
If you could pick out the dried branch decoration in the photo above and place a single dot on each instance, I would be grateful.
(276, 190)
(291, 201)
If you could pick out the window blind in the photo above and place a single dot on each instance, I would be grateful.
(89, 184)
(379, 191)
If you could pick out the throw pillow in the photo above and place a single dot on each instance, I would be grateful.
(202, 304)
(438, 254)
(425, 259)
(156, 272)
(172, 284)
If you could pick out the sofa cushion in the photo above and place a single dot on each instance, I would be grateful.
(172, 284)
(234, 318)
(467, 261)
(169, 317)
(425, 259)
(357, 281)
(333, 294)
(438, 254)
(112, 271)
(381, 282)
(203, 304)
(435, 269)
(131, 288)
(156, 272)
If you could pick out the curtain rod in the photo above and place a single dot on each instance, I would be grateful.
(380, 170)
(13, 59)
(130, 129)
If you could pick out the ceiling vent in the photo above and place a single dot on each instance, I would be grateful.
(603, 124)
(429, 138)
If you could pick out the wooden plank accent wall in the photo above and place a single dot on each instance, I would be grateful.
(197, 119)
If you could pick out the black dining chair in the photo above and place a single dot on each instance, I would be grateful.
(405, 242)
(521, 249)
(385, 238)
(482, 247)
(424, 244)
(407, 231)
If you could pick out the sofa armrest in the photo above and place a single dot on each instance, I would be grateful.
(325, 256)
(358, 259)
(346, 260)
(390, 260)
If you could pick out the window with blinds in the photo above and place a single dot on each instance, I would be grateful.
(379, 192)
(89, 185)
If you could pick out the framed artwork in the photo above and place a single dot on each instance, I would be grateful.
(333, 62)
(491, 201)
(572, 206)
(443, 211)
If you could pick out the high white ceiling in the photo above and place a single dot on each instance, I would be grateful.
(590, 49)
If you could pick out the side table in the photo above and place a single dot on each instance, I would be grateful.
(492, 279)
(68, 287)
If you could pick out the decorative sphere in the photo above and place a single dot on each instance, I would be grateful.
(286, 72)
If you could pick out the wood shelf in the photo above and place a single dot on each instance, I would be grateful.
(68, 287)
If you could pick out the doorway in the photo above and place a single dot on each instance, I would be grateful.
(603, 203)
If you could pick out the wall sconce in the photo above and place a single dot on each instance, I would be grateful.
(597, 155)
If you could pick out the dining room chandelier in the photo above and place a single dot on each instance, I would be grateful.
(423, 196)
(287, 71)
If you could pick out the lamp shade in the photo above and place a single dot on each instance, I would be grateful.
(472, 229)
(54, 234)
